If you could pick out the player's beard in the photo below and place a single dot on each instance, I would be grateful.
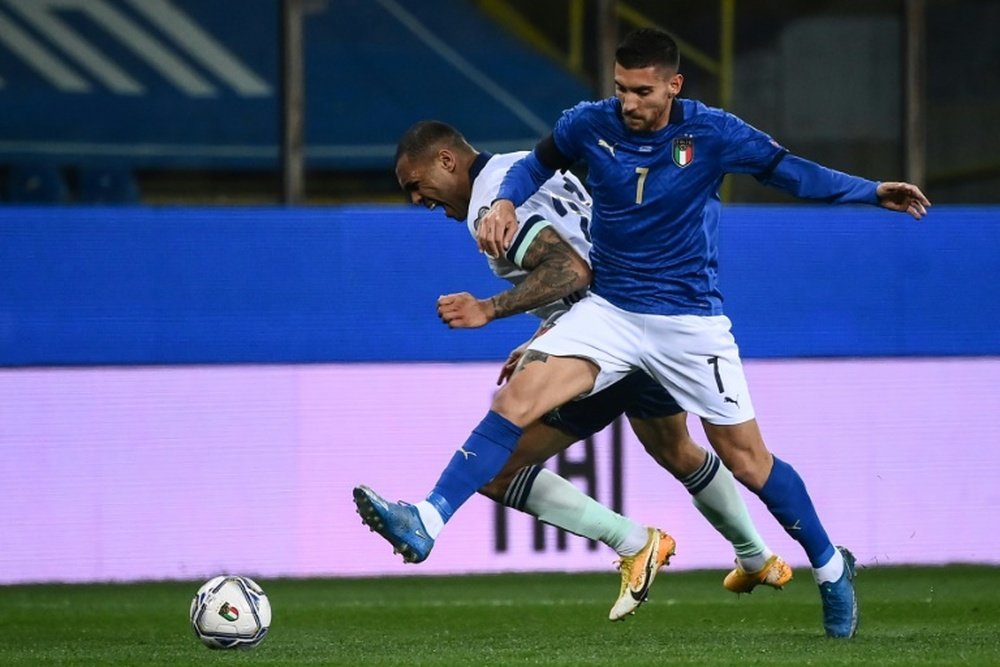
(635, 123)
(643, 122)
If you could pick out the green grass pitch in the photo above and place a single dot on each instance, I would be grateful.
(910, 616)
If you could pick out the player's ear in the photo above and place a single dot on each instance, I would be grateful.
(675, 84)
(447, 159)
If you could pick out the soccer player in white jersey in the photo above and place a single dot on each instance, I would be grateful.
(546, 265)
(655, 165)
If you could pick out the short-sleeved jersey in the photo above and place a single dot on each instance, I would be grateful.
(562, 203)
(656, 204)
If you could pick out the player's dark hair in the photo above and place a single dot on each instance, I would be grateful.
(425, 135)
(648, 47)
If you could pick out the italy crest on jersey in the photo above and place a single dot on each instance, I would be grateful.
(683, 151)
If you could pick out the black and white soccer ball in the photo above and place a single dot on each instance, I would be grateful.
(230, 612)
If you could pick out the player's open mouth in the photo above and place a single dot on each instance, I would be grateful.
(431, 204)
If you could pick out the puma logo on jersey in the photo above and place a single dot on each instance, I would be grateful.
(603, 144)
(461, 450)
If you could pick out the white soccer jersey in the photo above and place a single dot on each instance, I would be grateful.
(562, 203)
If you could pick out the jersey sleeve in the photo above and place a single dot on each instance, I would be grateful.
(523, 179)
(567, 131)
(529, 173)
(746, 149)
(808, 180)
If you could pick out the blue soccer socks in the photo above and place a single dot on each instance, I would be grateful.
(475, 463)
(784, 493)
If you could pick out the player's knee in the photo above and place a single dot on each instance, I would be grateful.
(497, 488)
(515, 406)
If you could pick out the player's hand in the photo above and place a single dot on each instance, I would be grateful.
(513, 359)
(464, 311)
(496, 228)
(903, 197)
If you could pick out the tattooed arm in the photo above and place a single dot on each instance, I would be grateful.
(555, 269)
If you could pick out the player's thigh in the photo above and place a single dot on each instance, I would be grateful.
(636, 394)
(541, 384)
(595, 330)
(698, 360)
(538, 443)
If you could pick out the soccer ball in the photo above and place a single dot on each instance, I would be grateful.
(230, 612)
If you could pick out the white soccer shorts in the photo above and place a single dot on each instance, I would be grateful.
(695, 357)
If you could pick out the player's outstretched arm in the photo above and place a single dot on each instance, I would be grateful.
(903, 197)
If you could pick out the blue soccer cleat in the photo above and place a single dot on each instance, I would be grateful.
(399, 523)
(840, 603)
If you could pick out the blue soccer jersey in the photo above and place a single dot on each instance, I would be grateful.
(655, 195)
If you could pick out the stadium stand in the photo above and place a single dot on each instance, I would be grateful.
(35, 183)
(106, 185)
(163, 99)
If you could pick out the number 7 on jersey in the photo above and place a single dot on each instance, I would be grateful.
(643, 172)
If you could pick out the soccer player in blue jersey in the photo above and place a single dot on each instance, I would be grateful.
(548, 270)
(655, 165)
